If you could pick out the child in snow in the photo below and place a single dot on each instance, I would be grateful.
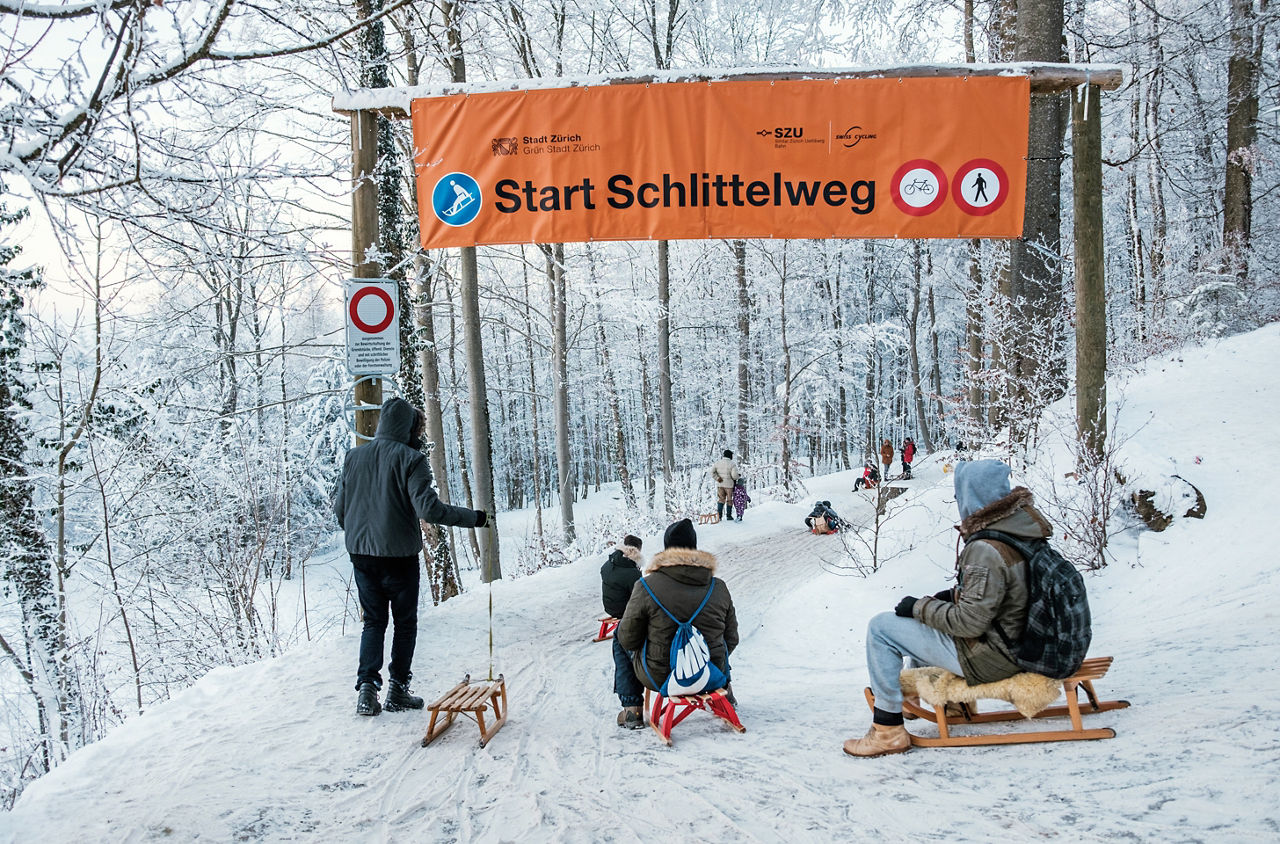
(740, 497)
(618, 577)
(870, 477)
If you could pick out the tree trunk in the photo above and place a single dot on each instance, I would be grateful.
(1091, 303)
(744, 345)
(1244, 69)
(557, 297)
(1036, 365)
(664, 373)
(442, 563)
(615, 402)
(913, 332)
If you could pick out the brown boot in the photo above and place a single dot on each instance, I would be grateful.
(880, 741)
(630, 718)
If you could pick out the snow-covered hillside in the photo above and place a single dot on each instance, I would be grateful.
(273, 751)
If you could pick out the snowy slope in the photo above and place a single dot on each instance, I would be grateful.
(272, 751)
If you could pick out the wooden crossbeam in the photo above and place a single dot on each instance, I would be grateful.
(1045, 78)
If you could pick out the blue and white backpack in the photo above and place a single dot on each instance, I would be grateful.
(692, 670)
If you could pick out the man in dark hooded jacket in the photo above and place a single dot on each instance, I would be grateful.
(618, 578)
(680, 577)
(384, 489)
(964, 629)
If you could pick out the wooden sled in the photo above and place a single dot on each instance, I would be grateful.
(608, 624)
(666, 712)
(471, 701)
(708, 518)
(1091, 670)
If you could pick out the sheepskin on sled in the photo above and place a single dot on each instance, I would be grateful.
(1029, 693)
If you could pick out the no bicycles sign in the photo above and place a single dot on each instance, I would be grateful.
(373, 326)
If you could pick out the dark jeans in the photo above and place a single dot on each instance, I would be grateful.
(386, 582)
(625, 683)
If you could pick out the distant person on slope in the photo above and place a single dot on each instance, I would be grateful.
(724, 472)
(957, 629)
(618, 578)
(886, 457)
(384, 489)
(908, 454)
(681, 578)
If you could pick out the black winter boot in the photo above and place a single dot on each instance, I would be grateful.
(367, 702)
(399, 698)
(720, 511)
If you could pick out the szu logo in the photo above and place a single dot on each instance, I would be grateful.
(456, 199)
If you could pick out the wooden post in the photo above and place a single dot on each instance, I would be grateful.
(364, 237)
(1091, 302)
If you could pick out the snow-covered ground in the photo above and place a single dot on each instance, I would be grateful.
(273, 751)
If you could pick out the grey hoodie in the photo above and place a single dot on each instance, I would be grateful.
(385, 488)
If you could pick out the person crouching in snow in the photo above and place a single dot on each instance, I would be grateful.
(618, 577)
(960, 629)
(680, 578)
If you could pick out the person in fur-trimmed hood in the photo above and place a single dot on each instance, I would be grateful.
(618, 577)
(956, 628)
(680, 577)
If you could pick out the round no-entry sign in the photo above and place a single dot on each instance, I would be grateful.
(373, 327)
(369, 323)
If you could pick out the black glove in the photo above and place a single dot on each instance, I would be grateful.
(482, 518)
(947, 595)
(905, 607)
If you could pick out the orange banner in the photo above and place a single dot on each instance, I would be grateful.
(914, 158)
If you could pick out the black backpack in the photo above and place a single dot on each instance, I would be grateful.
(1056, 639)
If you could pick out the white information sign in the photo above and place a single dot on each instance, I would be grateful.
(373, 326)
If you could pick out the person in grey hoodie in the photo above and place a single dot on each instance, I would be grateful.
(384, 489)
(962, 629)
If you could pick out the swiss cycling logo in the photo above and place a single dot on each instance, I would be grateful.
(456, 199)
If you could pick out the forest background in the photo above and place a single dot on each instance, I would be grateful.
(175, 235)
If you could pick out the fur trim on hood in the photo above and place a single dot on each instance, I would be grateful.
(1020, 498)
(682, 557)
(632, 553)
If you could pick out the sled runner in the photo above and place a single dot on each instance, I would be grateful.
(666, 712)
(471, 701)
(608, 624)
(1029, 693)
(708, 518)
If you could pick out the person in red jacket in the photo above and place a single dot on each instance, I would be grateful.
(908, 454)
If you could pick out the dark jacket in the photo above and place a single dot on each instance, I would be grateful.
(992, 589)
(618, 577)
(385, 488)
(679, 577)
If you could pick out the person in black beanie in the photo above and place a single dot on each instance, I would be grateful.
(618, 577)
(384, 489)
(680, 578)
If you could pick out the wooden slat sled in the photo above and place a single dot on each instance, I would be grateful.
(608, 624)
(666, 712)
(708, 518)
(472, 701)
(1092, 669)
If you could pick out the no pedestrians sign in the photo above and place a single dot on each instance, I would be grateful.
(373, 326)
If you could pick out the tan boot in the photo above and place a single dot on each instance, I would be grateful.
(880, 741)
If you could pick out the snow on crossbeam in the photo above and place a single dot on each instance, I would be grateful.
(1046, 78)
